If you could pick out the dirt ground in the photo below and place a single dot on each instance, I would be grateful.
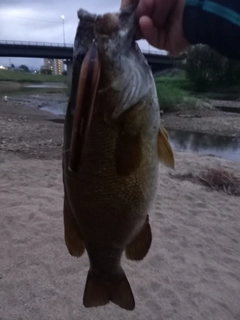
(28, 131)
(191, 270)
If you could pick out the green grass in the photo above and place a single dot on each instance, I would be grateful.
(171, 95)
(9, 75)
(178, 82)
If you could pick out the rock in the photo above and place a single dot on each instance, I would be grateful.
(204, 105)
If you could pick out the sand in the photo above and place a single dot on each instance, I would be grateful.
(192, 270)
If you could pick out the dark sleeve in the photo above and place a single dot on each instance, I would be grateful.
(215, 23)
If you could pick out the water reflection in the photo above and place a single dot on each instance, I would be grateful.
(33, 89)
(205, 144)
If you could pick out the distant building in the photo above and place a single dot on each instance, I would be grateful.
(55, 65)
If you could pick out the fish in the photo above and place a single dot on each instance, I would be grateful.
(113, 144)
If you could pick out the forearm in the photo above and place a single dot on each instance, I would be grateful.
(216, 23)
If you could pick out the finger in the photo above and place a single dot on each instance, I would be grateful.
(126, 3)
(153, 35)
(162, 11)
(145, 8)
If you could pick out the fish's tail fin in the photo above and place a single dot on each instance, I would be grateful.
(100, 290)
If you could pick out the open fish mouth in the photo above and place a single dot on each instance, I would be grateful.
(113, 32)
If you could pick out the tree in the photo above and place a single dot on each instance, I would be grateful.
(46, 71)
(25, 68)
(205, 67)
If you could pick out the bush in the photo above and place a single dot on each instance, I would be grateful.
(205, 67)
(176, 82)
(171, 98)
(25, 68)
(232, 75)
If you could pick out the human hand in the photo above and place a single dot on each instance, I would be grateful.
(161, 23)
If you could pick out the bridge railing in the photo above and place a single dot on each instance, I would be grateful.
(155, 52)
(33, 43)
(68, 45)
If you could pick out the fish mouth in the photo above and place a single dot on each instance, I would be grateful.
(113, 32)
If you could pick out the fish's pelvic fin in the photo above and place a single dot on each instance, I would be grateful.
(100, 290)
(165, 152)
(128, 153)
(72, 234)
(140, 245)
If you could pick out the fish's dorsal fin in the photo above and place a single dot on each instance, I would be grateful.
(165, 152)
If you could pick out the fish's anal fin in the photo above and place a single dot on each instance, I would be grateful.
(140, 245)
(100, 290)
(165, 152)
(128, 153)
(72, 235)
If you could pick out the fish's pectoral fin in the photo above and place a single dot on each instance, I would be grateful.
(85, 103)
(164, 131)
(128, 153)
(73, 240)
(100, 290)
(165, 152)
(140, 245)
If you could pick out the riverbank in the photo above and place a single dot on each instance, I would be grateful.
(35, 107)
(23, 77)
(32, 126)
(204, 120)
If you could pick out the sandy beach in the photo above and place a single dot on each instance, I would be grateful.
(190, 273)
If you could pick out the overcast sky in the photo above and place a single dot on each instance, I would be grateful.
(40, 20)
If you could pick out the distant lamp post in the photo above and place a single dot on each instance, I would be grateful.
(63, 18)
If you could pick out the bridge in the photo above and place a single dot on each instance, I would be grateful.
(23, 49)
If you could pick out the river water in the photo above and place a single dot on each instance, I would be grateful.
(199, 143)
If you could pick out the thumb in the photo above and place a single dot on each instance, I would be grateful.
(156, 37)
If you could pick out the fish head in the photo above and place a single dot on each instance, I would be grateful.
(126, 77)
(113, 32)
